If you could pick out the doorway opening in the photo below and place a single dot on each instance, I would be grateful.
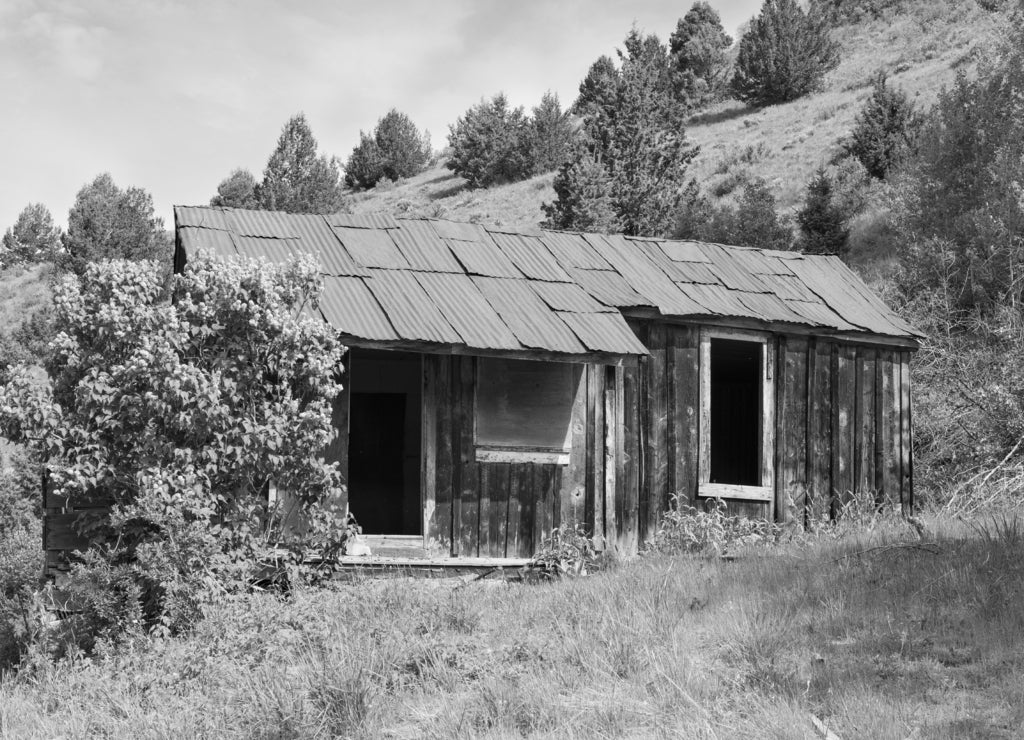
(736, 412)
(385, 416)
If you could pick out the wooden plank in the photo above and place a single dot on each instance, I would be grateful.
(906, 488)
(866, 361)
(732, 490)
(704, 425)
(545, 481)
(768, 440)
(519, 538)
(594, 508)
(428, 453)
(446, 502)
(684, 389)
(895, 453)
(820, 437)
(613, 453)
(778, 504)
(632, 461)
(544, 457)
(881, 425)
(793, 496)
(469, 474)
(572, 496)
(656, 480)
(494, 506)
(59, 532)
(844, 402)
(337, 449)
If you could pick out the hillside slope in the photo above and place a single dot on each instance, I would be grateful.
(921, 49)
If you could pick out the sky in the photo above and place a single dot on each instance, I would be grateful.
(172, 95)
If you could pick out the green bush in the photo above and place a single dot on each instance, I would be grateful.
(566, 551)
(396, 149)
(784, 55)
(490, 144)
(753, 222)
(886, 131)
(183, 415)
(713, 531)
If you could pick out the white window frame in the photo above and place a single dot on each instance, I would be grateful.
(707, 489)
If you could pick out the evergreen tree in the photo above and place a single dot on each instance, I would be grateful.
(106, 222)
(784, 55)
(886, 131)
(365, 165)
(237, 190)
(822, 224)
(552, 134)
(491, 144)
(297, 179)
(404, 150)
(753, 222)
(598, 98)
(33, 238)
(698, 47)
(583, 191)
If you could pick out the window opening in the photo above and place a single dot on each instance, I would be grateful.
(736, 411)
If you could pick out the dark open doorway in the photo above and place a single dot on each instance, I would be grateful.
(736, 403)
(384, 440)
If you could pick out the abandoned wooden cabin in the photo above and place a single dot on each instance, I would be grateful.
(500, 383)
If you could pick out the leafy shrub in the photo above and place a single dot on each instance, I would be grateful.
(685, 529)
(567, 551)
(886, 131)
(21, 565)
(784, 55)
(490, 144)
(753, 222)
(183, 415)
(237, 190)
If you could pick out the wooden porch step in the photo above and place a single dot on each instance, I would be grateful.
(434, 567)
(394, 545)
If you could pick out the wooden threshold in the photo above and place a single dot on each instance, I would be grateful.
(433, 567)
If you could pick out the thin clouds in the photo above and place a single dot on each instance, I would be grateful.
(172, 95)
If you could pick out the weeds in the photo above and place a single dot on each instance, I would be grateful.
(686, 529)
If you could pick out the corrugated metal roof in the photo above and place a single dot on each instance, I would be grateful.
(349, 307)
(601, 332)
(526, 287)
(464, 307)
(572, 250)
(423, 249)
(412, 312)
(534, 324)
(371, 247)
(529, 254)
(483, 258)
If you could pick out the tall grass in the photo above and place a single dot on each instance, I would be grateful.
(866, 629)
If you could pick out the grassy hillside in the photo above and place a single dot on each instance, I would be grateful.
(921, 49)
(871, 633)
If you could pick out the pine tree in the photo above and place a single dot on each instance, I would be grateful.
(404, 150)
(822, 224)
(752, 222)
(237, 190)
(583, 190)
(490, 144)
(784, 55)
(551, 135)
(886, 131)
(297, 179)
(106, 222)
(365, 165)
(698, 48)
(33, 238)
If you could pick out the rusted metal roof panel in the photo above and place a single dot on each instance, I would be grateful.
(483, 258)
(717, 300)
(832, 283)
(459, 231)
(465, 308)
(604, 332)
(206, 218)
(362, 220)
(268, 224)
(422, 248)
(275, 250)
(572, 250)
(218, 242)
(529, 254)
(349, 306)
(818, 314)
(371, 247)
(768, 307)
(530, 319)
(734, 267)
(684, 251)
(610, 288)
(658, 258)
(317, 235)
(567, 297)
(858, 290)
(788, 287)
(766, 262)
(695, 272)
(411, 311)
(643, 276)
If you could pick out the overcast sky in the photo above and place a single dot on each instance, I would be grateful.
(171, 95)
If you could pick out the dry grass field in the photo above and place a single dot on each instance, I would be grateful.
(867, 631)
